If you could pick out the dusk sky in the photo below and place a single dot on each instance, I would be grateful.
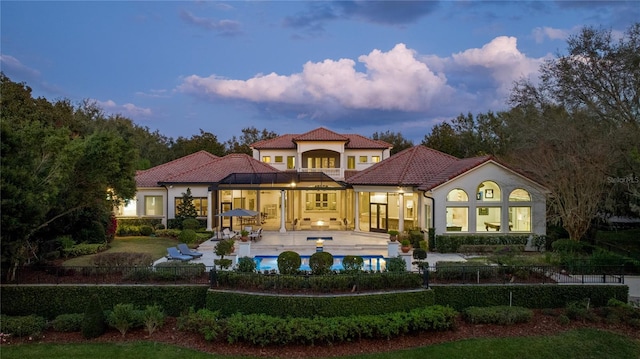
(290, 66)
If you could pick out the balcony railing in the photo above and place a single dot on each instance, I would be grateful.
(335, 173)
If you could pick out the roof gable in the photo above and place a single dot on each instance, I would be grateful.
(352, 141)
(413, 166)
(151, 176)
(320, 134)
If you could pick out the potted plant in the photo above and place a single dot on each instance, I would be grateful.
(244, 235)
(393, 235)
(405, 245)
(223, 248)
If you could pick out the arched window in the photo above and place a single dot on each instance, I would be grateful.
(457, 195)
(519, 195)
(489, 191)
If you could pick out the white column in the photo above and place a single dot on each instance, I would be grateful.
(400, 212)
(356, 215)
(210, 208)
(282, 217)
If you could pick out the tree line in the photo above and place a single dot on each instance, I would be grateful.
(576, 132)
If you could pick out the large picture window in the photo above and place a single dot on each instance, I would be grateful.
(201, 204)
(320, 201)
(488, 219)
(520, 219)
(457, 219)
(153, 206)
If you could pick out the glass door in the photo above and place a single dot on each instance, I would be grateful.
(378, 217)
(226, 221)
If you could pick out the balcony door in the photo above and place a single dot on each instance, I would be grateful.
(378, 217)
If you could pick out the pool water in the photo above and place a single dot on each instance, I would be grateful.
(371, 263)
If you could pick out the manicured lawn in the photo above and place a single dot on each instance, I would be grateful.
(581, 343)
(156, 246)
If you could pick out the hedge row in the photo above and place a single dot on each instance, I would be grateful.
(452, 243)
(319, 283)
(228, 303)
(263, 330)
(51, 301)
(528, 296)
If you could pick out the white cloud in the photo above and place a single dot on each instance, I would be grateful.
(12, 65)
(503, 60)
(540, 33)
(127, 110)
(393, 80)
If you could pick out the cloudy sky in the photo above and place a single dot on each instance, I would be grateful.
(290, 66)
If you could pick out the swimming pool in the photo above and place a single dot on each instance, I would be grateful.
(371, 262)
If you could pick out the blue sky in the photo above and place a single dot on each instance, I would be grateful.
(290, 66)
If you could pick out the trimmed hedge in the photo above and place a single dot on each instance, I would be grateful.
(345, 282)
(263, 330)
(22, 326)
(452, 243)
(229, 303)
(528, 296)
(503, 315)
(51, 301)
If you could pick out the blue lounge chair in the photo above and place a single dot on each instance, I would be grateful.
(174, 254)
(184, 249)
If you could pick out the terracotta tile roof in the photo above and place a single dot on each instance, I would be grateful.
(353, 141)
(205, 172)
(453, 170)
(320, 134)
(151, 176)
(412, 167)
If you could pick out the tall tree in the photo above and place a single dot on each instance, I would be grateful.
(51, 169)
(206, 141)
(250, 135)
(185, 208)
(396, 139)
(595, 135)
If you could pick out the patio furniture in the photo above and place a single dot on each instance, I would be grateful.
(184, 249)
(256, 235)
(174, 254)
(228, 234)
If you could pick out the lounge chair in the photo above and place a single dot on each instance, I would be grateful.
(256, 235)
(184, 249)
(228, 234)
(174, 254)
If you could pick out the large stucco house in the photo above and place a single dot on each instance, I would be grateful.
(323, 180)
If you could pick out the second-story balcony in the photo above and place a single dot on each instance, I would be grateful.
(335, 173)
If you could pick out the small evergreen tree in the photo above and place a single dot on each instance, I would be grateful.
(93, 323)
(186, 209)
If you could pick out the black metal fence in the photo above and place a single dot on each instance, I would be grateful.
(458, 273)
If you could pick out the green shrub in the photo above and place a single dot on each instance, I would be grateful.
(22, 326)
(503, 315)
(188, 236)
(563, 319)
(168, 233)
(321, 262)
(66, 241)
(464, 271)
(68, 322)
(124, 317)
(246, 265)
(83, 249)
(263, 330)
(581, 310)
(146, 230)
(570, 246)
(289, 262)
(93, 322)
(352, 263)
(152, 318)
(122, 259)
(190, 223)
(203, 321)
(452, 243)
(170, 271)
(419, 254)
(223, 263)
(396, 265)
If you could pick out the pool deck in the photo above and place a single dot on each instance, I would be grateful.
(342, 243)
